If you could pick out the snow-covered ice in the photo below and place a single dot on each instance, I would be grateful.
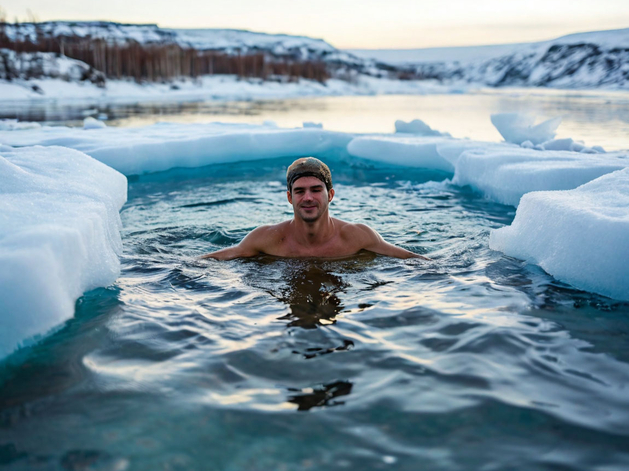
(167, 145)
(59, 236)
(579, 236)
(504, 173)
(411, 151)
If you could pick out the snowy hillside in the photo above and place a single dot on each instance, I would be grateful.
(103, 52)
(583, 60)
(413, 57)
(227, 41)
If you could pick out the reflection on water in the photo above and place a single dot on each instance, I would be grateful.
(312, 297)
(308, 287)
(321, 396)
(595, 117)
(470, 361)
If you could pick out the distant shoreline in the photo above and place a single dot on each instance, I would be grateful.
(229, 88)
(216, 87)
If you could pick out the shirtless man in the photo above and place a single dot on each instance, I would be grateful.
(311, 232)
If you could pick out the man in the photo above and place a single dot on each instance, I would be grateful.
(311, 232)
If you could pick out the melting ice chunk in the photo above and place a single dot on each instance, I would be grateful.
(578, 236)
(417, 126)
(310, 124)
(518, 128)
(59, 236)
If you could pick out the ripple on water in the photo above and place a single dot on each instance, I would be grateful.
(473, 360)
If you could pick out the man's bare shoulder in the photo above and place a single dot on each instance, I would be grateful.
(356, 232)
(361, 236)
(269, 233)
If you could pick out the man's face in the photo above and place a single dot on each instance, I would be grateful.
(310, 198)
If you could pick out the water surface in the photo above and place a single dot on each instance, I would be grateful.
(595, 117)
(471, 361)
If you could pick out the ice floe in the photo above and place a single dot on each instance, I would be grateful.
(504, 174)
(166, 145)
(410, 151)
(417, 126)
(59, 236)
(579, 236)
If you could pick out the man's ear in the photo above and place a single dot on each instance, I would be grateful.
(290, 197)
(330, 195)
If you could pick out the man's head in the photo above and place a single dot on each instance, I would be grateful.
(308, 167)
(310, 191)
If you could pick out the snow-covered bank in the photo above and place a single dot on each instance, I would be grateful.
(215, 87)
(579, 236)
(59, 236)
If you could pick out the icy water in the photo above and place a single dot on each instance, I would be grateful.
(596, 117)
(471, 361)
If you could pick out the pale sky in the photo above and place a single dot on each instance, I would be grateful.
(346, 24)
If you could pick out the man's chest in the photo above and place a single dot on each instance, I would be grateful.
(335, 247)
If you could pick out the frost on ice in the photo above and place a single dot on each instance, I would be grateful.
(579, 236)
(59, 236)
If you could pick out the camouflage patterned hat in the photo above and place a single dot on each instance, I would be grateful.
(308, 167)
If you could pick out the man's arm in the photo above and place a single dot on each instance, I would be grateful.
(250, 246)
(372, 241)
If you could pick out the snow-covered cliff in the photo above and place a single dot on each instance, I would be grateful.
(584, 60)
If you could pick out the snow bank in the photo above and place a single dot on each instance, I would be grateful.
(59, 236)
(15, 125)
(579, 236)
(167, 145)
(211, 87)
